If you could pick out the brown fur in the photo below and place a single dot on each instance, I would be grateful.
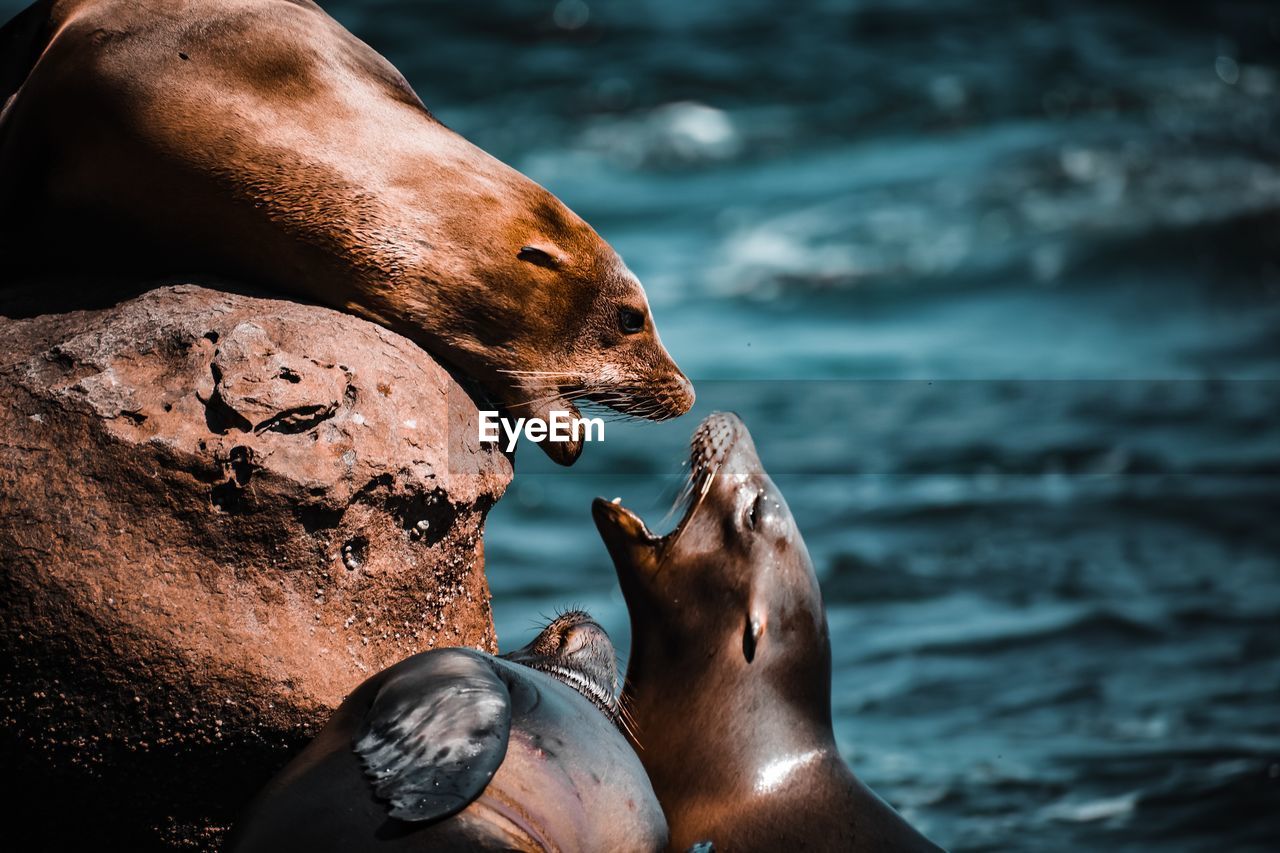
(258, 138)
(729, 680)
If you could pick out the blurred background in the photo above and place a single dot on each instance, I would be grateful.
(996, 287)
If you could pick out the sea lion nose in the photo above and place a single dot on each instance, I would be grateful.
(682, 393)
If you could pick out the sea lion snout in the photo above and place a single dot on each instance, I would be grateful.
(730, 505)
(675, 395)
(637, 376)
(673, 392)
(577, 651)
(588, 340)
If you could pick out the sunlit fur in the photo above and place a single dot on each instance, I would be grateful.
(264, 141)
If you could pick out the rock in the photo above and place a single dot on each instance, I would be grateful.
(218, 514)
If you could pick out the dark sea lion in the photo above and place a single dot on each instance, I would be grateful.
(457, 750)
(729, 681)
(260, 139)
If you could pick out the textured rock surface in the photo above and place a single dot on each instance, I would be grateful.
(218, 514)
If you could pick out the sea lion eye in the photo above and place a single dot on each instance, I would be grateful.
(630, 320)
(753, 512)
(537, 256)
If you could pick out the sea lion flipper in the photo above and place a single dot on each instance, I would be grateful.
(435, 735)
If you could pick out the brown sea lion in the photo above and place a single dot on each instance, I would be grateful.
(457, 750)
(729, 680)
(260, 139)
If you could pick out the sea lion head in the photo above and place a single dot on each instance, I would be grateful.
(306, 163)
(575, 650)
(553, 317)
(727, 603)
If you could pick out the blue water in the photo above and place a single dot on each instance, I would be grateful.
(997, 290)
(1054, 599)
(998, 295)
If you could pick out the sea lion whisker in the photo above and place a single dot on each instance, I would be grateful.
(683, 496)
(534, 401)
(624, 407)
(626, 719)
(693, 507)
(560, 389)
(605, 398)
(572, 393)
(627, 722)
(632, 405)
(576, 680)
(613, 416)
(609, 398)
(604, 409)
(571, 373)
(567, 397)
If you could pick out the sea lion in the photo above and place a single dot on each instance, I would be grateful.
(729, 681)
(456, 750)
(259, 139)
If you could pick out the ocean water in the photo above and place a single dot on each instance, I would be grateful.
(996, 288)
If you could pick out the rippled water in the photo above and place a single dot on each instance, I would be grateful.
(997, 291)
(1054, 598)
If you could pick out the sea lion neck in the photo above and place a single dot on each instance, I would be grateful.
(775, 727)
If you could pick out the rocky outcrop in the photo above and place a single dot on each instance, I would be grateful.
(218, 514)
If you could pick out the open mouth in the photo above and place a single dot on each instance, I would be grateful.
(710, 445)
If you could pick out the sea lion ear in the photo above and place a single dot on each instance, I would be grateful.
(751, 635)
(435, 735)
